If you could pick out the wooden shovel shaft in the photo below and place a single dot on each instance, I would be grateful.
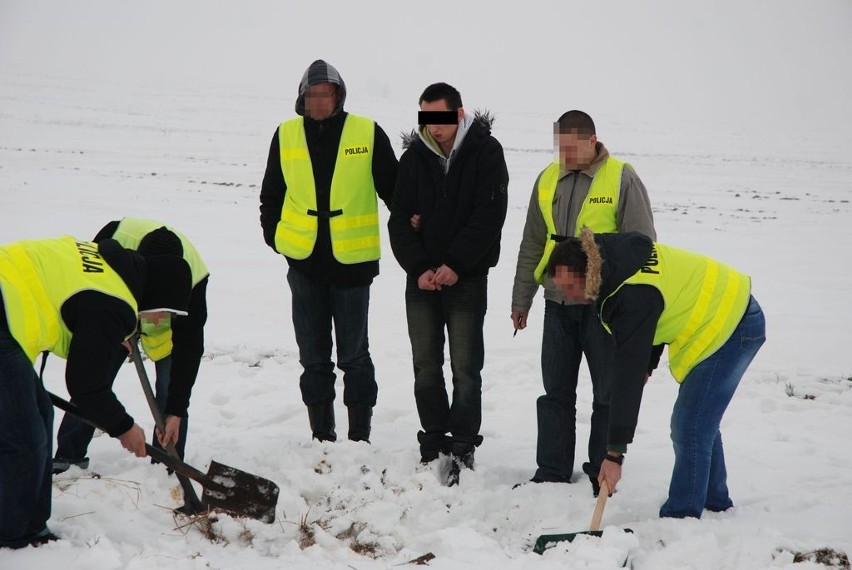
(189, 494)
(599, 507)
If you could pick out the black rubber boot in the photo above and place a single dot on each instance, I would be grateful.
(321, 417)
(359, 423)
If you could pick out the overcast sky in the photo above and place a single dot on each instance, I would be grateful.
(750, 60)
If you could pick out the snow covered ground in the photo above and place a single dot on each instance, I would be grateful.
(734, 115)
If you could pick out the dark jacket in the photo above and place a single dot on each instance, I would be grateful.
(462, 211)
(187, 341)
(323, 138)
(632, 314)
(99, 323)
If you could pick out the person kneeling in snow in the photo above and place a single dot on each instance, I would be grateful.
(648, 294)
(81, 301)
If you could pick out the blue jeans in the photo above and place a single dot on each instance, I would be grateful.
(315, 307)
(699, 477)
(570, 331)
(74, 436)
(26, 439)
(461, 309)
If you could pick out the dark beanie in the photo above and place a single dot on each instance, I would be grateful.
(161, 241)
(168, 282)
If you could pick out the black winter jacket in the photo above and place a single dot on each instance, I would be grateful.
(323, 138)
(187, 341)
(632, 314)
(99, 322)
(462, 212)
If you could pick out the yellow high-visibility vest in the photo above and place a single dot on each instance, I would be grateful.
(157, 340)
(598, 213)
(353, 208)
(704, 302)
(38, 276)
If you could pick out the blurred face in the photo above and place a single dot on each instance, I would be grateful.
(320, 101)
(576, 150)
(572, 284)
(444, 134)
(154, 317)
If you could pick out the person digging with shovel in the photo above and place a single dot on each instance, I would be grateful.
(174, 345)
(81, 301)
(648, 295)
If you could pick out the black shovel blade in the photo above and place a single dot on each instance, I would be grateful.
(546, 541)
(239, 493)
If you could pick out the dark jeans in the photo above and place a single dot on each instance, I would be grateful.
(315, 307)
(26, 439)
(700, 478)
(461, 309)
(74, 436)
(570, 331)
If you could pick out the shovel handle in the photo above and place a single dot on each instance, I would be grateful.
(189, 495)
(599, 507)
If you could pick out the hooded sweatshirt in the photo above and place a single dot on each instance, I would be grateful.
(323, 139)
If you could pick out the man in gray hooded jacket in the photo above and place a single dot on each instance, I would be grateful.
(318, 209)
(585, 186)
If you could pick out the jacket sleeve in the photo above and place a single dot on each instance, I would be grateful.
(632, 314)
(106, 232)
(634, 206)
(385, 166)
(485, 224)
(187, 350)
(272, 193)
(99, 324)
(529, 254)
(407, 244)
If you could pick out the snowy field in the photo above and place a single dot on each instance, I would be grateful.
(111, 109)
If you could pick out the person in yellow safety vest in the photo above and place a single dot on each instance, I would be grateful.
(318, 209)
(176, 347)
(79, 300)
(649, 295)
(584, 186)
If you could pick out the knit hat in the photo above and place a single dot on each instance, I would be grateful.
(168, 280)
(161, 241)
(320, 72)
(168, 283)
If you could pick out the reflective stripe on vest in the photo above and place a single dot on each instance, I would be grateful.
(704, 302)
(157, 340)
(353, 208)
(599, 211)
(37, 277)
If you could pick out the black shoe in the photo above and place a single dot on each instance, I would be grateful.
(592, 472)
(538, 480)
(43, 537)
(62, 464)
(432, 445)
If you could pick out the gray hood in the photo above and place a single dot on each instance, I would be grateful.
(321, 72)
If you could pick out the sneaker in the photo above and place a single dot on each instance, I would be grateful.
(61, 464)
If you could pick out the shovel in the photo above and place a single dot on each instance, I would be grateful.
(227, 489)
(192, 504)
(547, 540)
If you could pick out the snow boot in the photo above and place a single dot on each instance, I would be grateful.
(431, 445)
(321, 417)
(359, 423)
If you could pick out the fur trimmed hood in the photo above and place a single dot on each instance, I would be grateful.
(611, 259)
(481, 120)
